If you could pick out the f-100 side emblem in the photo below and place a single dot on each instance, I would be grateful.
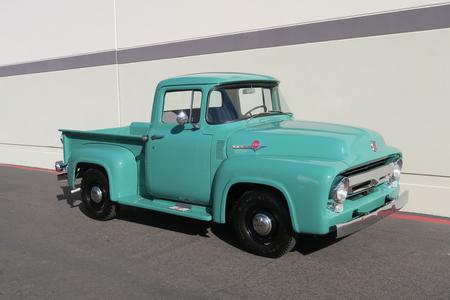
(256, 145)
(374, 146)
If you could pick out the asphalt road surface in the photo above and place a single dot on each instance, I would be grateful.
(49, 249)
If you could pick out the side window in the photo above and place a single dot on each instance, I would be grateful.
(188, 101)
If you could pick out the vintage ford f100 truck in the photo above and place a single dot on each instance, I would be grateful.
(223, 147)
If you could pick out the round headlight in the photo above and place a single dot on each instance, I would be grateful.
(341, 190)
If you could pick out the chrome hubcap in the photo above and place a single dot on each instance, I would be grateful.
(262, 224)
(96, 194)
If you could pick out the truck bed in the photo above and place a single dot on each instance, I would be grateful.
(135, 129)
(129, 137)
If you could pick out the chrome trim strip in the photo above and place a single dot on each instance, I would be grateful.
(75, 190)
(352, 226)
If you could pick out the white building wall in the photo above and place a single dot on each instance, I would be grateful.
(395, 84)
(44, 29)
(142, 22)
(35, 106)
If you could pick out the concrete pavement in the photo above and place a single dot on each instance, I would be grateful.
(49, 249)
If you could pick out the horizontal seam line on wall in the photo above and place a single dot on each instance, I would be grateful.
(428, 175)
(402, 21)
(30, 145)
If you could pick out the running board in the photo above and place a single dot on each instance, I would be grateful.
(171, 207)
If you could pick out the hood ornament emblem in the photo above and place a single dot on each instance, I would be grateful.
(256, 145)
(374, 146)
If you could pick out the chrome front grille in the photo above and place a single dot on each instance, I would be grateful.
(365, 178)
(366, 181)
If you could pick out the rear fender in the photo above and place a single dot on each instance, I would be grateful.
(118, 162)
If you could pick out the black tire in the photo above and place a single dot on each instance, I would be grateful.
(279, 240)
(102, 209)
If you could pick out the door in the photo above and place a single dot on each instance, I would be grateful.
(178, 156)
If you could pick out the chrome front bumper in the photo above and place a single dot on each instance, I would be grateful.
(373, 217)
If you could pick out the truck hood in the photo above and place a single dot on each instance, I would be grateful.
(309, 140)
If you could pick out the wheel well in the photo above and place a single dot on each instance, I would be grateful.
(236, 191)
(83, 167)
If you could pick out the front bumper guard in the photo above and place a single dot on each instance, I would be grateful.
(60, 166)
(357, 224)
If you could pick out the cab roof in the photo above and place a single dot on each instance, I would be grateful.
(215, 78)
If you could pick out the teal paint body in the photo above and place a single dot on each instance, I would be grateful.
(198, 164)
(178, 165)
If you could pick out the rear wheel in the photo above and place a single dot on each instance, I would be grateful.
(262, 224)
(95, 195)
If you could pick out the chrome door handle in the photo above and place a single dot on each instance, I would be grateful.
(156, 137)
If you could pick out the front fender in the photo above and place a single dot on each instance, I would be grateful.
(119, 163)
(305, 185)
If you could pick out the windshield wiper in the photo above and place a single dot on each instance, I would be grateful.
(280, 112)
(270, 112)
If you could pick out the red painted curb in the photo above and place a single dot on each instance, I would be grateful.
(43, 170)
(413, 217)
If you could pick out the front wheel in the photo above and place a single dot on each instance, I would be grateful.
(95, 195)
(262, 224)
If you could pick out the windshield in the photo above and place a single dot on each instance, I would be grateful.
(244, 101)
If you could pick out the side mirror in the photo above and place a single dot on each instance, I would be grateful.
(182, 118)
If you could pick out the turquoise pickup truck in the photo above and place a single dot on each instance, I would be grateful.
(224, 147)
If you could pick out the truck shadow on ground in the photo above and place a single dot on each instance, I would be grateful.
(73, 200)
(306, 244)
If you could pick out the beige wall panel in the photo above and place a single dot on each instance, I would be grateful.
(395, 84)
(35, 30)
(142, 22)
(428, 195)
(30, 156)
(34, 106)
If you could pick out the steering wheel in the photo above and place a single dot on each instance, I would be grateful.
(254, 108)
